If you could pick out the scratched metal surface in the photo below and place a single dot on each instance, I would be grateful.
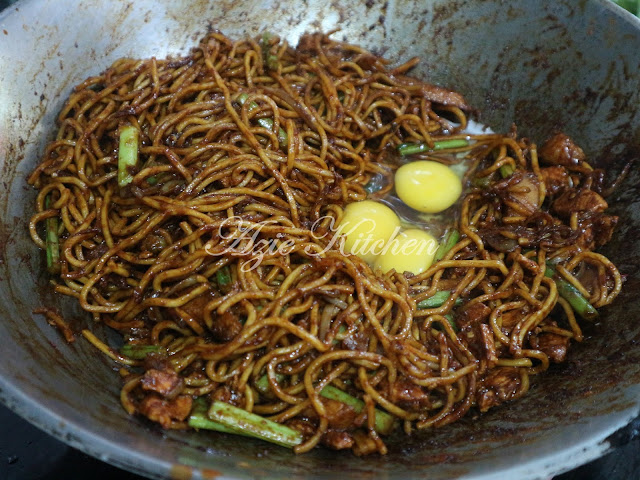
(548, 64)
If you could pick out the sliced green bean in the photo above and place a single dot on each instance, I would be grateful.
(271, 61)
(263, 122)
(571, 294)
(450, 239)
(506, 170)
(139, 352)
(413, 148)
(223, 276)
(246, 423)
(127, 155)
(437, 300)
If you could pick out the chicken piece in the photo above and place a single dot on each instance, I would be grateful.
(561, 150)
(511, 318)
(489, 345)
(337, 439)
(305, 427)
(603, 227)
(556, 179)
(224, 327)
(409, 396)
(553, 345)
(165, 382)
(473, 315)
(340, 415)
(364, 444)
(579, 201)
(500, 385)
(358, 341)
(164, 411)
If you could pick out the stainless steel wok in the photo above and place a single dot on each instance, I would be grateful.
(545, 65)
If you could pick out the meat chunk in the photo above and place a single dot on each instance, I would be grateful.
(553, 345)
(305, 427)
(358, 341)
(511, 318)
(603, 228)
(474, 314)
(561, 150)
(596, 230)
(224, 327)
(489, 345)
(337, 439)
(556, 179)
(165, 382)
(340, 415)
(164, 411)
(409, 396)
(500, 385)
(583, 200)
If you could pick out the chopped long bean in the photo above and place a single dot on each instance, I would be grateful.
(437, 300)
(200, 419)
(450, 239)
(571, 294)
(506, 170)
(139, 352)
(223, 276)
(271, 61)
(263, 122)
(413, 148)
(246, 423)
(127, 155)
(52, 241)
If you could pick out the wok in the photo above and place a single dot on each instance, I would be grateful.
(545, 65)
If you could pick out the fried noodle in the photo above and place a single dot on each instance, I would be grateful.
(219, 192)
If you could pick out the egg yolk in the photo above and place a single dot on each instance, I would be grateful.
(426, 186)
(368, 227)
(412, 251)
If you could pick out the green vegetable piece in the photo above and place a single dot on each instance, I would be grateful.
(506, 171)
(263, 122)
(245, 423)
(451, 321)
(268, 124)
(127, 154)
(384, 421)
(223, 276)
(262, 384)
(450, 239)
(571, 294)
(437, 300)
(152, 180)
(52, 242)
(481, 182)
(271, 61)
(413, 148)
(199, 419)
(139, 352)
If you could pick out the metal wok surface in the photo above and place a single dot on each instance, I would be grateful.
(568, 64)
